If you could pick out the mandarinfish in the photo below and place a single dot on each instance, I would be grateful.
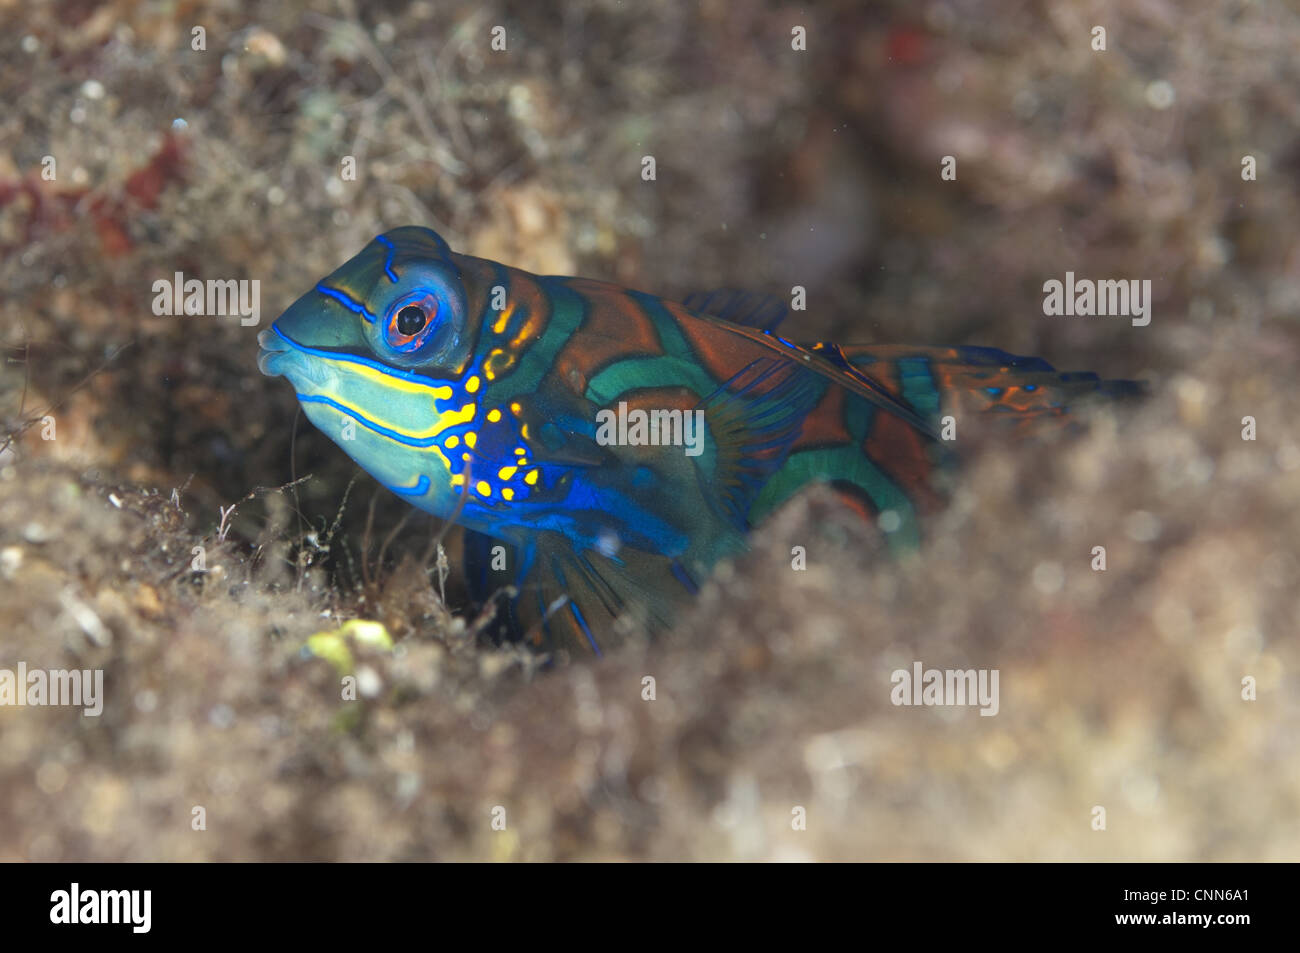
(618, 443)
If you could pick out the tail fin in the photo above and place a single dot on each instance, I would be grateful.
(981, 380)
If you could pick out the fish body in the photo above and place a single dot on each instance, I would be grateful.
(620, 444)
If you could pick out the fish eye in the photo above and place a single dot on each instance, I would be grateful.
(411, 320)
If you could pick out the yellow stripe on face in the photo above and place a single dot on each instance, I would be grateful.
(357, 380)
(391, 382)
(441, 419)
(363, 420)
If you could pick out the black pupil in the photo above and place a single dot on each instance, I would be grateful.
(411, 320)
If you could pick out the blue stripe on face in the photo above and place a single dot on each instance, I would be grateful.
(349, 358)
(388, 259)
(369, 424)
(421, 487)
(355, 307)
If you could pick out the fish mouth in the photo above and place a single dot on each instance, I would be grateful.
(274, 349)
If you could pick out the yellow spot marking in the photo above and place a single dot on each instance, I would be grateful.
(458, 479)
(483, 488)
(523, 431)
(530, 477)
(443, 420)
(453, 442)
(507, 493)
(520, 451)
(471, 385)
(471, 438)
(504, 319)
(498, 362)
(505, 473)
(494, 415)
(530, 328)
(516, 408)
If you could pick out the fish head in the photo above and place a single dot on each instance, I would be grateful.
(377, 353)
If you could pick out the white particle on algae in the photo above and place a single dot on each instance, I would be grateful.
(35, 532)
(369, 684)
(1049, 577)
(92, 89)
(11, 560)
(86, 619)
(1193, 398)
(146, 700)
(1142, 792)
(1160, 94)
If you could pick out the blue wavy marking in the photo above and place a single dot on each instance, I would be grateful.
(388, 259)
(369, 424)
(348, 358)
(356, 307)
(421, 487)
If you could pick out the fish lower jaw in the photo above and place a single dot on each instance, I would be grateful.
(268, 362)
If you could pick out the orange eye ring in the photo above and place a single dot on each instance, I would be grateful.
(410, 322)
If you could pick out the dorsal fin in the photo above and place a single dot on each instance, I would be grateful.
(749, 309)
